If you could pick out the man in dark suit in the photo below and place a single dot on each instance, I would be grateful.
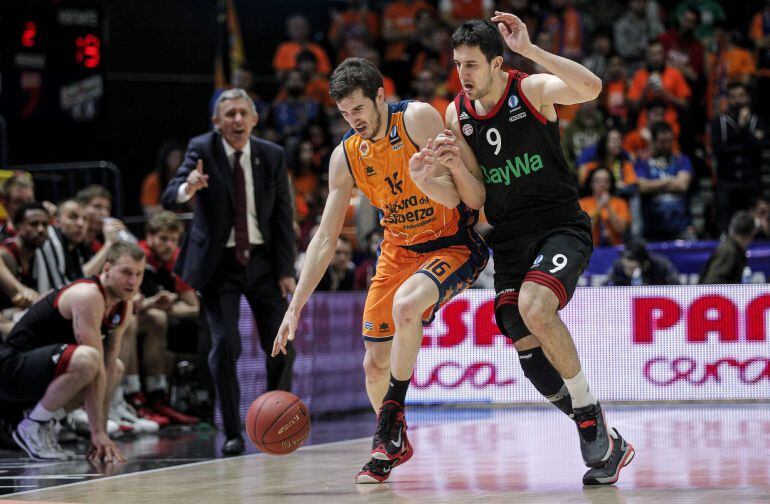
(241, 241)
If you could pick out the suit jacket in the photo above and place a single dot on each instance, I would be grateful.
(205, 240)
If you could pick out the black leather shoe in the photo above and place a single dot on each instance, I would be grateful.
(233, 446)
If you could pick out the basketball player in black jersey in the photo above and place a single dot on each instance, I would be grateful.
(504, 129)
(64, 351)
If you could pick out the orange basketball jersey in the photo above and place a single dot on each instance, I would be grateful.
(381, 172)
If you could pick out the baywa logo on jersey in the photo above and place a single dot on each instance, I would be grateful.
(364, 148)
(521, 165)
(467, 129)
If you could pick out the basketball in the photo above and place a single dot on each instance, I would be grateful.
(278, 422)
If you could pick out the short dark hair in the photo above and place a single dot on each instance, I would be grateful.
(352, 74)
(164, 221)
(90, 193)
(18, 215)
(479, 33)
(737, 84)
(121, 248)
(661, 127)
(742, 224)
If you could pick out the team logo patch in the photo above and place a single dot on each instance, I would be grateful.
(513, 101)
(464, 116)
(538, 260)
(364, 148)
(369, 326)
(467, 129)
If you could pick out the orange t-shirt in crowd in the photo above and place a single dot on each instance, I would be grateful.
(672, 80)
(566, 33)
(351, 21)
(286, 56)
(732, 65)
(613, 98)
(465, 9)
(600, 219)
(757, 34)
(400, 17)
(151, 189)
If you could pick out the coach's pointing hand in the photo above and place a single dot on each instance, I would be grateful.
(197, 180)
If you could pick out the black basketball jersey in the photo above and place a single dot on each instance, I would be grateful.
(529, 184)
(43, 324)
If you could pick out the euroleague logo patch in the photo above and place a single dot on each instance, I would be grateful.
(513, 101)
(467, 129)
(537, 262)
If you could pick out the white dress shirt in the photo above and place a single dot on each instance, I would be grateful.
(255, 236)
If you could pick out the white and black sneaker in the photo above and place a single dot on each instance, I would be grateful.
(77, 420)
(127, 419)
(622, 455)
(39, 440)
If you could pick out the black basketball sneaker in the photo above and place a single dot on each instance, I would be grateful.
(622, 455)
(595, 442)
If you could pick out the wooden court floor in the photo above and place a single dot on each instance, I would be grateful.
(692, 454)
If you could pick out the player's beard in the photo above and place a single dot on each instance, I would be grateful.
(376, 126)
(486, 89)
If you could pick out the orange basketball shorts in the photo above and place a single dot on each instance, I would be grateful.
(453, 269)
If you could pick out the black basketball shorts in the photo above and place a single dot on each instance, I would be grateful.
(25, 376)
(554, 258)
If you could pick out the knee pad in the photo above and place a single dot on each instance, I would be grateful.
(510, 323)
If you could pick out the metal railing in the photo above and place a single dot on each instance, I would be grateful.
(57, 181)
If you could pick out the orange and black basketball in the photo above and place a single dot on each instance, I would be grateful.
(278, 422)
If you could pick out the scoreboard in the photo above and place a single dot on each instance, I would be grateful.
(51, 60)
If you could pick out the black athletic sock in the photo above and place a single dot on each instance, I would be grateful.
(539, 370)
(397, 390)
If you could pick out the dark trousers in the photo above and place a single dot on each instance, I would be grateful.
(221, 300)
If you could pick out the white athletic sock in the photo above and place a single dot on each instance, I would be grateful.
(580, 391)
(132, 384)
(40, 414)
(157, 382)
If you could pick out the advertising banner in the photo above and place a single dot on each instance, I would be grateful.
(635, 343)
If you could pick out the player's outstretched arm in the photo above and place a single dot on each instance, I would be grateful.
(454, 152)
(424, 125)
(570, 83)
(321, 248)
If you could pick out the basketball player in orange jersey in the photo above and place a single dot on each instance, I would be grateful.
(541, 239)
(429, 252)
